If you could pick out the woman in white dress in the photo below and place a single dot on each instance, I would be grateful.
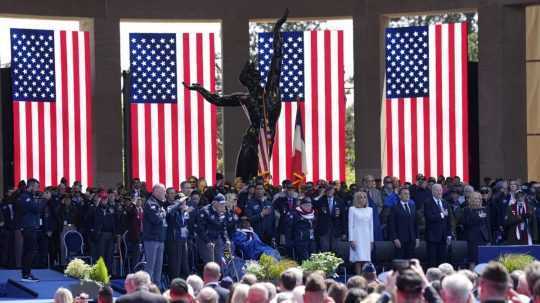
(360, 231)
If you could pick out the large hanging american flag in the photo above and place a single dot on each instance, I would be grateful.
(312, 74)
(173, 130)
(52, 106)
(425, 109)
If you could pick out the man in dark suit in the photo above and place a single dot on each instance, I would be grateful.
(137, 290)
(331, 215)
(402, 228)
(211, 274)
(438, 231)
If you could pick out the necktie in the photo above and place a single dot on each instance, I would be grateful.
(407, 209)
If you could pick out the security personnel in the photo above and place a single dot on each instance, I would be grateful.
(178, 231)
(214, 227)
(105, 229)
(31, 208)
(302, 230)
(154, 232)
(285, 202)
(261, 215)
(331, 213)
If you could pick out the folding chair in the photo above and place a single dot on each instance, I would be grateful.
(74, 246)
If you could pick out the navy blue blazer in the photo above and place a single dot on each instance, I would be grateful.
(402, 225)
(437, 228)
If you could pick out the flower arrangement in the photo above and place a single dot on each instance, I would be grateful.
(268, 268)
(515, 261)
(327, 262)
(78, 269)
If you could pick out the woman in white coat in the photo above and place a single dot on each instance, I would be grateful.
(360, 231)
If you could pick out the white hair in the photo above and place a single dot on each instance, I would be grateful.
(141, 279)
(196, 283)
(258, 292)
(240, 293)
(272, 291)
(447, 269)
(63, 295)
(298, 294)
(456, 288)
(207, 295)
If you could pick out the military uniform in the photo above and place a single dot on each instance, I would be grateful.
(178, 232)
(214, 228)
(105, 229)
(285, 205)
(154, 233)
(262, 225)
(31, 208)
(302, 232)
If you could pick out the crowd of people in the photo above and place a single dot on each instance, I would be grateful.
(407, 283)
(198, 224)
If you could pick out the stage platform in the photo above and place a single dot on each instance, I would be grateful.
(14, 290)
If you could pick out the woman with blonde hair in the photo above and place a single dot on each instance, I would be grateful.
(63, 295)
(360, 231)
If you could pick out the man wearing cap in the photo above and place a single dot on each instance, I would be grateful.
(260, 213)
(302, 230)
(331, 218)
(215, 226)
(285, 203)
(520, 221)
(105, 229)
(178, 231)
(154, 232)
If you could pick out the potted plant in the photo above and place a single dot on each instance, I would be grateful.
(268, 268)
(326, 262)
(515, 261)
(91, 278)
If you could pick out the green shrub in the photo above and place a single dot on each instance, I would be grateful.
(327, 262)
(78, 269)
(268, 268)
(99, 272)
(515, 261)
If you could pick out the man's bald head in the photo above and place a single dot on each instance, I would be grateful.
(211, 272)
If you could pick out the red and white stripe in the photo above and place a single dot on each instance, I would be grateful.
(323, 113)
(430, 135)
(54, 139)
(172, 142)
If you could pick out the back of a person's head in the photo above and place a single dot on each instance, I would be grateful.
(105, 295)
(141, 279)
(434, 274)
(153, 288)
(315, 290)
(355, 295)
(456, 288)
(196, 283)
(514, 276)
(287, 280)
(446, 269)
(249, 279)
(298, 274)
(337, 291)
(532, 273)
(272, 290)
(211, 272)
(409, 286)
(371, 298)
(240, 293)
(536, 292)
(471, 275)
(63, 295)
(258, 293)
(356, 282)
(178, 288)
(207, 295)
(494, 282)
(298, 294)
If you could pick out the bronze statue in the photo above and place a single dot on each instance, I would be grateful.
(262, 105)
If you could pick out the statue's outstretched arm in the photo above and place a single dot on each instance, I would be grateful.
(275, 66)
(225, 100)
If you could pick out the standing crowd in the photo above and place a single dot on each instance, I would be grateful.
(198, 224)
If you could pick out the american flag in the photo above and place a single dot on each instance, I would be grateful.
(173, 130)
(312, 74)
(425, 109)
(52, 106)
